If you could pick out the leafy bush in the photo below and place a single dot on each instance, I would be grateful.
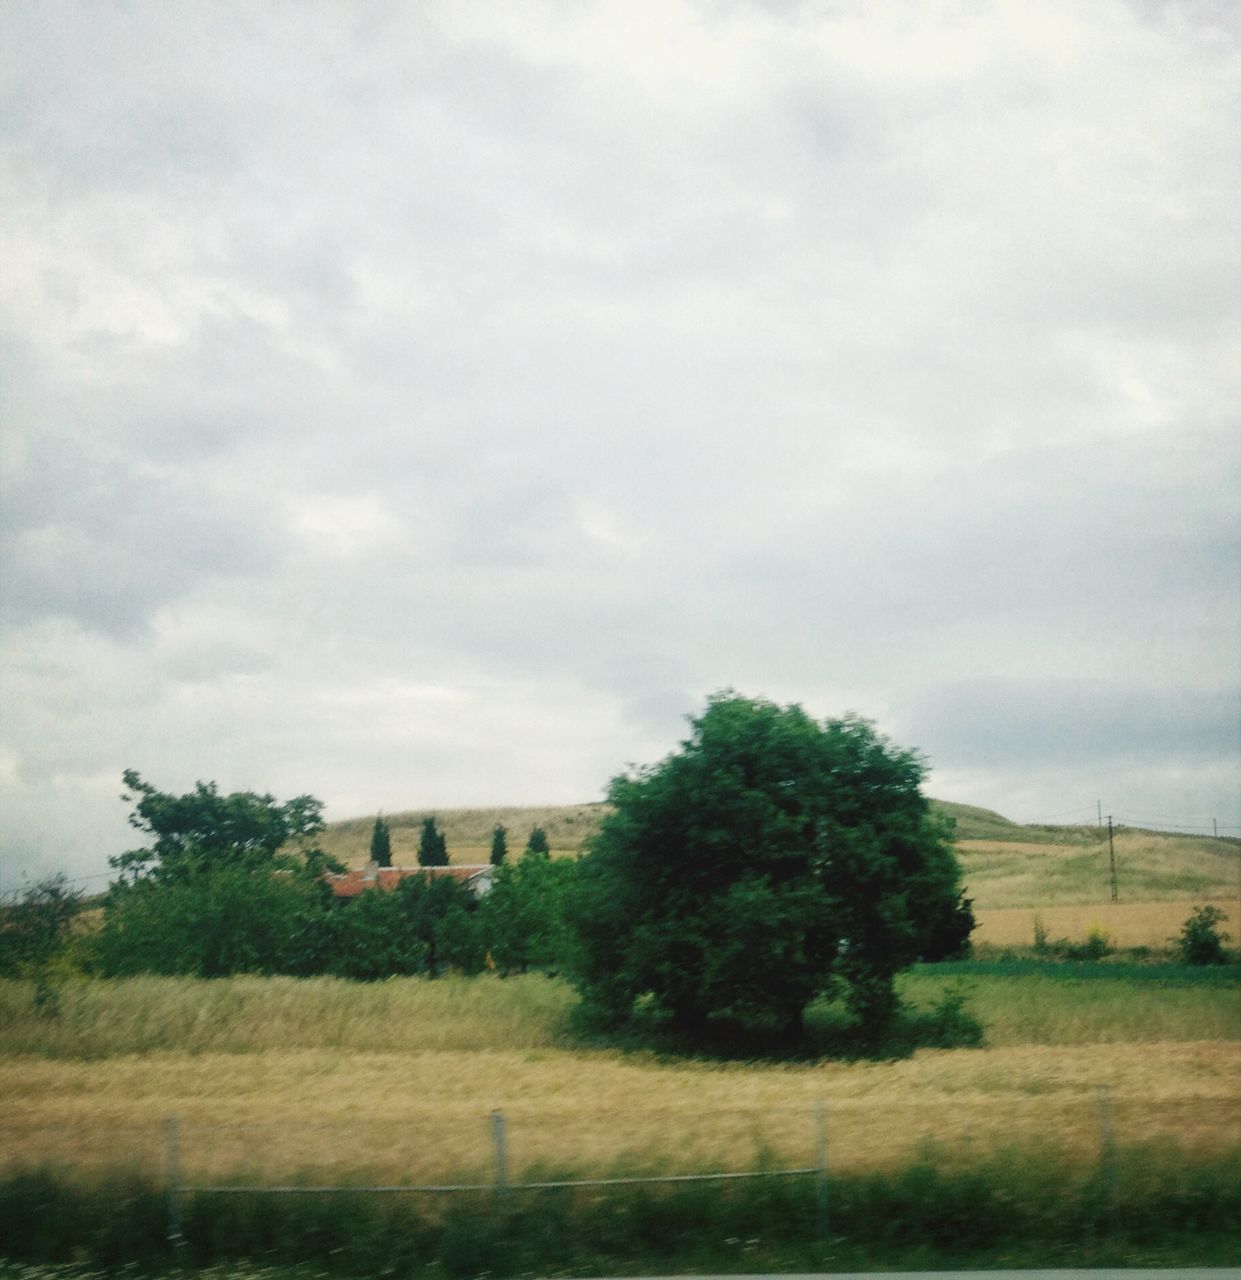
(523, 917)
(1099, 943)
(35, 925)
(229, 919)
(1201, 941)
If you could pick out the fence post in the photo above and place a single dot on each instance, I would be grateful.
(1107, 1154)
(499, 1144)
(820, 1126)
(172, 1178)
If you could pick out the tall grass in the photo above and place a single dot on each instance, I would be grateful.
(284, 1075)
(1046, 1005)
(1016, 1207)
(100, 1019)
(569, 826)
(1087, 1004)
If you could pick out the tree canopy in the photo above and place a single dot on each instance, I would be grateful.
(770, 860)
(204, 830)
(226, 885)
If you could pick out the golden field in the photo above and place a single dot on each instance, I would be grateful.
(276, 1078)
(424, 1116)
(1127, 924)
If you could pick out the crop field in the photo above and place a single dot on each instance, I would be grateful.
(1125, 924)
(275, 1078)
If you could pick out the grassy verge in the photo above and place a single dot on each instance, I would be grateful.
(1017, 1001)
(1016, 1207)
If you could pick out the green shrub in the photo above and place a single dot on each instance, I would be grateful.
(1201, 941)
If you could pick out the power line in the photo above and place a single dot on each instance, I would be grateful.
(1135, 820)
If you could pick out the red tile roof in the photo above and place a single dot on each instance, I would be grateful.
(351, 883)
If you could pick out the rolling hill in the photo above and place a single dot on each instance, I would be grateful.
(1006, 864)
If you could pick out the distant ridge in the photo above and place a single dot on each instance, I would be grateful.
(468, 831)
(1005, 864)
(570, 826)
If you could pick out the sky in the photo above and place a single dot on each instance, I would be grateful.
(432, 404)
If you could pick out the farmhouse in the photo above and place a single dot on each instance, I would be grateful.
(372, 876)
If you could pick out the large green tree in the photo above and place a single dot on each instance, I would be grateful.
(226, 884)
(769, 861)
(204, 830)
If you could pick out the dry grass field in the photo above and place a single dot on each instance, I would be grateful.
(1127, 924)
(277, 1078)
(424, 1116)
(1151, 867)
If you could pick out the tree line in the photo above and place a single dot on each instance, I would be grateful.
(771, 860)
(433, 845)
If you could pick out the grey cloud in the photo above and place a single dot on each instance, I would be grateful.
(413, 407)
(1068, 722)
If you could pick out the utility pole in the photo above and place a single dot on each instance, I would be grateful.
(1111, 857)
(1099, 806)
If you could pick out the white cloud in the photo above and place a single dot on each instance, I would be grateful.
(433, 405)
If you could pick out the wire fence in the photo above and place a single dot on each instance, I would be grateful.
(500, 1184)
(420, 1131)
(1089, 1133)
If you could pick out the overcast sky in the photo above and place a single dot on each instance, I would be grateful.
(431, 403)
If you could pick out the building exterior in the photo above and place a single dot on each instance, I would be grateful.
(372, 876)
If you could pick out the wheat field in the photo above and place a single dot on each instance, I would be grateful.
(1127, 924)
(425, 1116)
(275, 1078)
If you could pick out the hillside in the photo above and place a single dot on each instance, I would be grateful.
(568, 827)
(1006, 864)
(467, 831)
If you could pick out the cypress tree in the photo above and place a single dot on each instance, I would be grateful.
(381, 843)
(432, 847)
(499, 845)
(538, 843)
